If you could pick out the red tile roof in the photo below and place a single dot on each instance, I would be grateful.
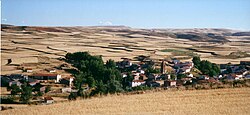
(48, 98)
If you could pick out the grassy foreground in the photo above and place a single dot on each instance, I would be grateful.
(214, 101)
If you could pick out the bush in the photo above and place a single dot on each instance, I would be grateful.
(8, 100)
(72, 96)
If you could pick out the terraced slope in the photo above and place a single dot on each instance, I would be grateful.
(24, 44)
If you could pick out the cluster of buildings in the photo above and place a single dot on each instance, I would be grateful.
(235, 72)
(170, 71)
(164, 73)
(155, 79)
(32, 80)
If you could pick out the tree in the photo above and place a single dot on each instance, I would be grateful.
(114, 86)
(72, 96)
(152, 70)
(100, 89)
(37, 87)
(111, 64)
(90, 81)
(47, 89)
(196, 60)
(26, 93)
(93, 71)
(15, 90)
(208, 68)
(180, 76)
(172, 76)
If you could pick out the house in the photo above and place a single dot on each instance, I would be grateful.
(125, 63)
(136, 76)
(142, 77)
(247, 76)
(51, 70)
(67, 81)
(165, 76)
(245, 63)
(68, 90)
(186, 80)
(16, 76)
(151, 76)
(136, 83)
(32, 82)
(203, 77)
(153, 84)
(176, 61)
(47, 77)
(232, 77)
(185, 69)
(48, 100)
(29, 70)
(124, 75)
(42, 89)
(170, 83)
(190, 75)
(140, 71)
(15, 83)
(161, 82)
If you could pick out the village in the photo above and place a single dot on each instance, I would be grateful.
(142, 72)
(167, 74)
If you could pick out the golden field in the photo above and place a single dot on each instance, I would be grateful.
(230, 101)
(43, 46)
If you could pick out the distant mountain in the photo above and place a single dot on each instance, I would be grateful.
(241, 34)
(196, 34)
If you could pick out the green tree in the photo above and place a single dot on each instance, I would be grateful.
(47, 89)
(37, 87)
(196, 60)
(90, 81)
(151, 70)
(15, 90)
(26, 93)
(209, 68)
(100, 88)
(93, 71)
(172, 76)
(72, 96)
(114, 86)
(180, 76)
(111, 64)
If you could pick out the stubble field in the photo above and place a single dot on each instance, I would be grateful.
(230, 101)
(44, 45)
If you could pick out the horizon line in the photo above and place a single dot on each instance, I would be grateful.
(148, 28)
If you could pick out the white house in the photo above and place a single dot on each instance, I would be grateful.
(48, 100)
(170, 83)
(46, 77)
(136, 83)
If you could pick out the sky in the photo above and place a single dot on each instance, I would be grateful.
(231, 14)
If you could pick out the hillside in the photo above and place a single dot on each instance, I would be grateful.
(218, 101)
(44, 46)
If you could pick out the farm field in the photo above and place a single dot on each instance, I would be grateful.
(43, 46)
(217, 101)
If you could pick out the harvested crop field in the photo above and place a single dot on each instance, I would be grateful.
(217, 101)
(29, 44)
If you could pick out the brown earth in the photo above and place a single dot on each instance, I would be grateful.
(44, 45)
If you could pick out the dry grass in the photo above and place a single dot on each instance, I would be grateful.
(111, 43)
(218, 101)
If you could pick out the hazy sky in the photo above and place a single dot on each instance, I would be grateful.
(234, 14)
